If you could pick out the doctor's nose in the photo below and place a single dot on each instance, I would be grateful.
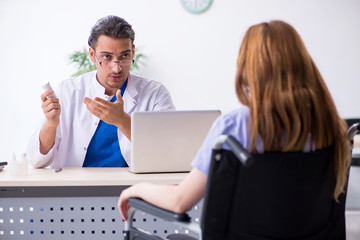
(116, 66)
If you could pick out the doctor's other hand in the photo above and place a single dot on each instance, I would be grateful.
(110, 112)
(51, 108)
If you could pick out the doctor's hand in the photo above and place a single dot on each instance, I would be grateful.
(51, 108)
(111, 113)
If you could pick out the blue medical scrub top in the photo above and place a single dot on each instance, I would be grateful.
(104, 149)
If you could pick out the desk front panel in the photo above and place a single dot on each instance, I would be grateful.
(37, 218)
(74, 204)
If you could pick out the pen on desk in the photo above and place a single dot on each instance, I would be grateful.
(58, 170)
(3, 163)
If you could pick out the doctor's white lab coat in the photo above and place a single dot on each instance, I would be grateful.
(78, 125)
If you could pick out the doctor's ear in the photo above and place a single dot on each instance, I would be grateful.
(92, 54)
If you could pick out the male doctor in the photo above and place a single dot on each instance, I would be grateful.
(87, 124)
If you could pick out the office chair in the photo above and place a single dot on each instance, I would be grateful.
(260, 196)
(351, 121)
(354, 129)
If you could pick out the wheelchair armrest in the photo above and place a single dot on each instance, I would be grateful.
(140, 204)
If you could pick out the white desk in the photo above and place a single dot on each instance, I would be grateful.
(85, 177)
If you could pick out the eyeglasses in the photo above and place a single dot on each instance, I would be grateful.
(111, 63)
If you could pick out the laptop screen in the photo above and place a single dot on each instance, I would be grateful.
(167, 141)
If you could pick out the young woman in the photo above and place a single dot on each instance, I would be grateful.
(286, 107)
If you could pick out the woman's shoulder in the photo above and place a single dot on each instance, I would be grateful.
(236, 116)
(233, 122)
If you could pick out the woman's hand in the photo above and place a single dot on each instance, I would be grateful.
(123, 203)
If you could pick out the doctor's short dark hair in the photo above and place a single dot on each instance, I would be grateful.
(111, 26)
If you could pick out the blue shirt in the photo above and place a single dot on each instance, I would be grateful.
(104, 149)
(234, 123)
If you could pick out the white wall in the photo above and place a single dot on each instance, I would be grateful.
(193, 55)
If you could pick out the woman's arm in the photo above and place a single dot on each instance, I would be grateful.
(177, 198)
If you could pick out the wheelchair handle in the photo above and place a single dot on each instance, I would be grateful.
(240, 152)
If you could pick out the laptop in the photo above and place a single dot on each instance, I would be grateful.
(167, 141)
